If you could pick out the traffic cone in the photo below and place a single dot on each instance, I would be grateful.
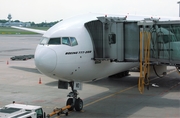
(40, 81)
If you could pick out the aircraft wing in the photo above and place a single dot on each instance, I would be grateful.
(29, 29)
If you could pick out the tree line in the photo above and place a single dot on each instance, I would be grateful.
(33, 24)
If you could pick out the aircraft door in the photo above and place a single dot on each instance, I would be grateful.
(115, 42)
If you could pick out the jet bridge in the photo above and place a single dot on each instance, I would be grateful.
(117, 39)
(149, 41)
(159, 44)
(165, 42)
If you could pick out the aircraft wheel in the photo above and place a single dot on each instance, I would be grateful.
(78, 104)
(70, 102)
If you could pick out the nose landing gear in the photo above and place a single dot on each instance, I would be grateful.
(75, 102)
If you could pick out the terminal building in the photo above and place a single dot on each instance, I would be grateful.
(11, 23)
(21, 24)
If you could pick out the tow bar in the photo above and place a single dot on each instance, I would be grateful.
(58, 111)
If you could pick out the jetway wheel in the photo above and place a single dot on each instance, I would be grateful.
(78, 104)
(70, 102)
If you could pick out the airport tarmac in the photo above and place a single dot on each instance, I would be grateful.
(105, 98)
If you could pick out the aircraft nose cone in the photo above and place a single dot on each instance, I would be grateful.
(45, 59)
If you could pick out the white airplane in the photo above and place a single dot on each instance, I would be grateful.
(66, 53)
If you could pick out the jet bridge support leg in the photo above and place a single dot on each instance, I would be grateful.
(144, 60)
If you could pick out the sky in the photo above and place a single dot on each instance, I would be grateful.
(54, 10)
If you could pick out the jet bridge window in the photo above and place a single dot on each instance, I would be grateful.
(54, 41)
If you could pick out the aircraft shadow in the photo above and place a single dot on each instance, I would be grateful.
(131, 102)
(128, 103)
(54, 83)
(32, 70)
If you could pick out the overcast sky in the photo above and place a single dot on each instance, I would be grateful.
(54, 10)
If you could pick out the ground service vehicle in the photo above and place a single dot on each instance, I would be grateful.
(21, 111)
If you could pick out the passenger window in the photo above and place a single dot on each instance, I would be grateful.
(65, 41)
(73, 41)
(54, 41)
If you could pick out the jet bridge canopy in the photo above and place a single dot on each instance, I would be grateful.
(113, 38)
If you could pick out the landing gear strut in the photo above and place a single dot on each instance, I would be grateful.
(75, 102)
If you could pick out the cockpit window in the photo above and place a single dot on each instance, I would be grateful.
(54, 41)
(44, 41)
(70, 41)
(66, 41)
(73, 41)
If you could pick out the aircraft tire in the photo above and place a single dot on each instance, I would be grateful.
(70, 102)
(78, 104)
